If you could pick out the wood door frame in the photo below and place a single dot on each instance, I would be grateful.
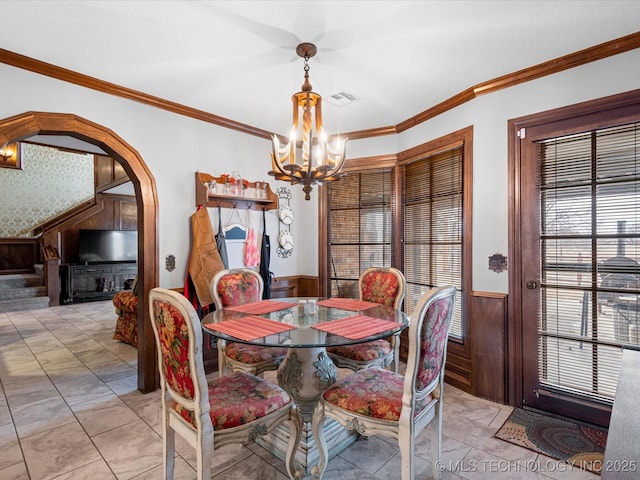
(627, 103)
(25, 125)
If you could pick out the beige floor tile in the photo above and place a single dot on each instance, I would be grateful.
(146, 406)
(57, 451)
(130, 449)
(125, 385)
(103, 414)
(252, 467)
(95, 471)
(369, 455)
(114, 370)
(81, 388)
(5, 413)
(223, 458)
(182, 471)
(55, 360)
(43, 342)
(40, 416)
(29, 388)
(9, 446)
(18, 364)
(480, 437)
(15, 472)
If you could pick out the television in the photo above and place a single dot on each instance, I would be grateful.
(107, 246)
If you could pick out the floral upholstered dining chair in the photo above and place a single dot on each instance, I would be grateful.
(228, 409)
(233, 287)
(386, 286)
(376, 401)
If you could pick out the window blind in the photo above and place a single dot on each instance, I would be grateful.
(359, 228)
(433, 218)
(590, 249)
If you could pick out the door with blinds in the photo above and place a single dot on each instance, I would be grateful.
(580, 232)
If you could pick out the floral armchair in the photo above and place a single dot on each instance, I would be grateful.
(210, 414)
(386, 286)
(234, 287)
(376, 401)
(126, 305)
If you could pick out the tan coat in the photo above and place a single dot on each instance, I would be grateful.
(205, 260)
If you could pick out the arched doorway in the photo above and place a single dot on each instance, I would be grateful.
(22, 126)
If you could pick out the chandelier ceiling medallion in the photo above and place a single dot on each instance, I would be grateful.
(308, 157)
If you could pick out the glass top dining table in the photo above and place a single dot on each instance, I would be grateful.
(307, 371)
(306, 329)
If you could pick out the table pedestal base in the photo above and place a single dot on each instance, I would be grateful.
(338, 438)
(305, 374)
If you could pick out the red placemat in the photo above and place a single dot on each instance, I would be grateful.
(356, 327)
(347, 304)
(250, 327)
(261, 307)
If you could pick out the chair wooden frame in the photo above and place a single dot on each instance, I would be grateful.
(408, 426)
(393, 357)
(226, 363)
(202, 437)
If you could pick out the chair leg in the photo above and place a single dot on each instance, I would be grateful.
(169, 449)
(295, 433)
(407, 444)
(317, 427)
(222, 362)
(436, 438)
(395, 346)
(204, 451)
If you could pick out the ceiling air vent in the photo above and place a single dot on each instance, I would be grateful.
(340, 99)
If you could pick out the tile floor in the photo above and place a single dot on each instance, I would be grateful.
(70, 409)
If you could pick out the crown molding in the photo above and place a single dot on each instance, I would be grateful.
(582, 57)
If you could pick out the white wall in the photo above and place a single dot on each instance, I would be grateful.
(488, 115)
(174, 147)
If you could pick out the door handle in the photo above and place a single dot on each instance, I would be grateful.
(532, 284)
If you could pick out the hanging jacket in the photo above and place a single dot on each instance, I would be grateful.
(205, 260)
(221, 242)
(265, 259)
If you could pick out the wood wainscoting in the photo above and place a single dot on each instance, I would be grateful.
(481, 367)
(19, 255)
(294, 286)
(488, 318)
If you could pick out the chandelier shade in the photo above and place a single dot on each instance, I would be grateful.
(308, 156)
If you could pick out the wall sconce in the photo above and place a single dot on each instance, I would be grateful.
(10, 156)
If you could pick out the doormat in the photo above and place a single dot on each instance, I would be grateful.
(578, 445)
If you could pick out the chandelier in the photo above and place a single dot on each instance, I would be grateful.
(308, 157)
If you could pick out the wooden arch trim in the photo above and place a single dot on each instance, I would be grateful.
(25, 125)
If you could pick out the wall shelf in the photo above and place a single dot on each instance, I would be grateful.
(250, 200)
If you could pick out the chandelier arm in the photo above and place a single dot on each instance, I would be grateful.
(341, 156)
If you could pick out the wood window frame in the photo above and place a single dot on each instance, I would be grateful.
(459, 351)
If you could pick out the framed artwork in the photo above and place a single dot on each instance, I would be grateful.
(10, 156)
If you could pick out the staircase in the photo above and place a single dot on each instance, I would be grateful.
(24, 291)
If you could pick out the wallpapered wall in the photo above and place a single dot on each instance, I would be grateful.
(51, 181)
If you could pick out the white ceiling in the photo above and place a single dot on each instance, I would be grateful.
(237, 59)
